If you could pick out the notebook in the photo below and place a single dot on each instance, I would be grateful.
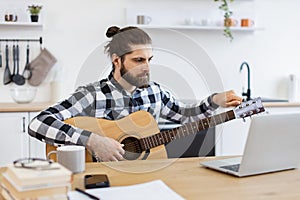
(273, 144)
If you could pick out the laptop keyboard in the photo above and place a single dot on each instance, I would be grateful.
(234, 168)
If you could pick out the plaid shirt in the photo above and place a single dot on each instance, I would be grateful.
(107, 99)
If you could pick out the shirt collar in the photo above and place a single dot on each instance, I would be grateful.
(115, 83)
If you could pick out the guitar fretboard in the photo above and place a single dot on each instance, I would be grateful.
(185, 130)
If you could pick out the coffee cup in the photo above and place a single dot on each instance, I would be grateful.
(230, 22)
(189, 21)
(206, 22)
(247, 22)
(71, 156)
(10, 18)
(143, 19)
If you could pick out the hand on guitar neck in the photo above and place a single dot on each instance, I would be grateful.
(227, 99)
(105, 148)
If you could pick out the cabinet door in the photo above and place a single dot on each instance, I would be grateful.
(14, 137)
(231, 137)
(37, 148)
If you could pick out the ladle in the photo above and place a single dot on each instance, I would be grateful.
(27, 72)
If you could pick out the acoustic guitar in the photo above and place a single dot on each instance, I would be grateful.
(141, 136)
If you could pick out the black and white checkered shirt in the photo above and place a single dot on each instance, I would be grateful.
(107, 99)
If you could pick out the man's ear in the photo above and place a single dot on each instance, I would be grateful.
(116, 60)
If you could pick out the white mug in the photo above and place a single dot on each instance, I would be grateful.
(206, 22)
(143, 19)
(70, 156)
(189, 21)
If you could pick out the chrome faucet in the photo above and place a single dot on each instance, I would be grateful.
(248, 93)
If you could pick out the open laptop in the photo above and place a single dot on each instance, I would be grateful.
(273, 144)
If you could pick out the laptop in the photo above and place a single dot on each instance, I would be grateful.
(273, 144)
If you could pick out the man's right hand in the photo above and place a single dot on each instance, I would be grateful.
(105, 148)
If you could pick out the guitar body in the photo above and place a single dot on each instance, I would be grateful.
(133, 127)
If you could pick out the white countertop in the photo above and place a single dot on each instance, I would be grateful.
(281, 104)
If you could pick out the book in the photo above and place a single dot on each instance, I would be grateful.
(53, 192)
(35, 186)
(26, 179)
(7, 196)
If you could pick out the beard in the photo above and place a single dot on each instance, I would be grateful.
(140, 80)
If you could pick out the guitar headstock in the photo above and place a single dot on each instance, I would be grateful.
(248, 108)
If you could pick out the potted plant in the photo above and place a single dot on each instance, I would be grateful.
(227, 20)
(34, 12)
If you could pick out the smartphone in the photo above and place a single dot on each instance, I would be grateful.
(96, 181)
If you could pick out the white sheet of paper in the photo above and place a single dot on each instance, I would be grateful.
(146, 191)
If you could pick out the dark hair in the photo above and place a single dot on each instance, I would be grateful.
(122, 39)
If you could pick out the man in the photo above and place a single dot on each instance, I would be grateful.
(126, 90)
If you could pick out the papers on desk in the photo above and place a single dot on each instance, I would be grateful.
(147, 191)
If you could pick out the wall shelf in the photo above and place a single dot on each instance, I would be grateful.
(197, 15)
(21, 24)
(189, 27)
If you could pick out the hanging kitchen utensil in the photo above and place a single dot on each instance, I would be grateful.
(27, 72)
(14, 61)
(7, 73)
(0, 55)
(17, 78)
(40, 67)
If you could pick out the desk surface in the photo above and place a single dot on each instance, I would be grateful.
(187, 178)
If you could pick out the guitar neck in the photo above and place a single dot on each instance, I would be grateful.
(185, 130)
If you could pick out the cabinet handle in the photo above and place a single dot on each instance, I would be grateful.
(23, 124)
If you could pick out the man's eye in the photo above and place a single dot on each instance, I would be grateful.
(139, 59)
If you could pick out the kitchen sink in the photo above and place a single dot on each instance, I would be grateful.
(263, 99)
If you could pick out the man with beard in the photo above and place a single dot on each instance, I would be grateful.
(126, 90)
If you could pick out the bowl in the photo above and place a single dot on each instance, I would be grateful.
(23, 95)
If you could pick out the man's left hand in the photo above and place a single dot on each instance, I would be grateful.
(227, 99)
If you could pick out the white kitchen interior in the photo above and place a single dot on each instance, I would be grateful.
(74, 30)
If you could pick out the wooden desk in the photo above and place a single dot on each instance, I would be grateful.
(190, 180)
(187, 178)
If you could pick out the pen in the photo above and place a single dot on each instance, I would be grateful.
(87, 194)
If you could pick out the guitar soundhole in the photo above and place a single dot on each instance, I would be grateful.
(132, 148)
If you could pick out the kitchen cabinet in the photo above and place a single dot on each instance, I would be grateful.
(14, 137)
(231, 136)
(16, 143)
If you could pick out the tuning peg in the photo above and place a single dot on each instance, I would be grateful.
(258, 110)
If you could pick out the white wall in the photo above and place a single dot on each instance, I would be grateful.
(73, 30)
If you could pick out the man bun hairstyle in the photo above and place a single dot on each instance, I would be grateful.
(111, 31)
(122, 39)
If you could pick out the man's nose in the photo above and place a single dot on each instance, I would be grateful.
(146, 67)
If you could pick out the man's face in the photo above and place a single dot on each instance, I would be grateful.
(135, 66)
